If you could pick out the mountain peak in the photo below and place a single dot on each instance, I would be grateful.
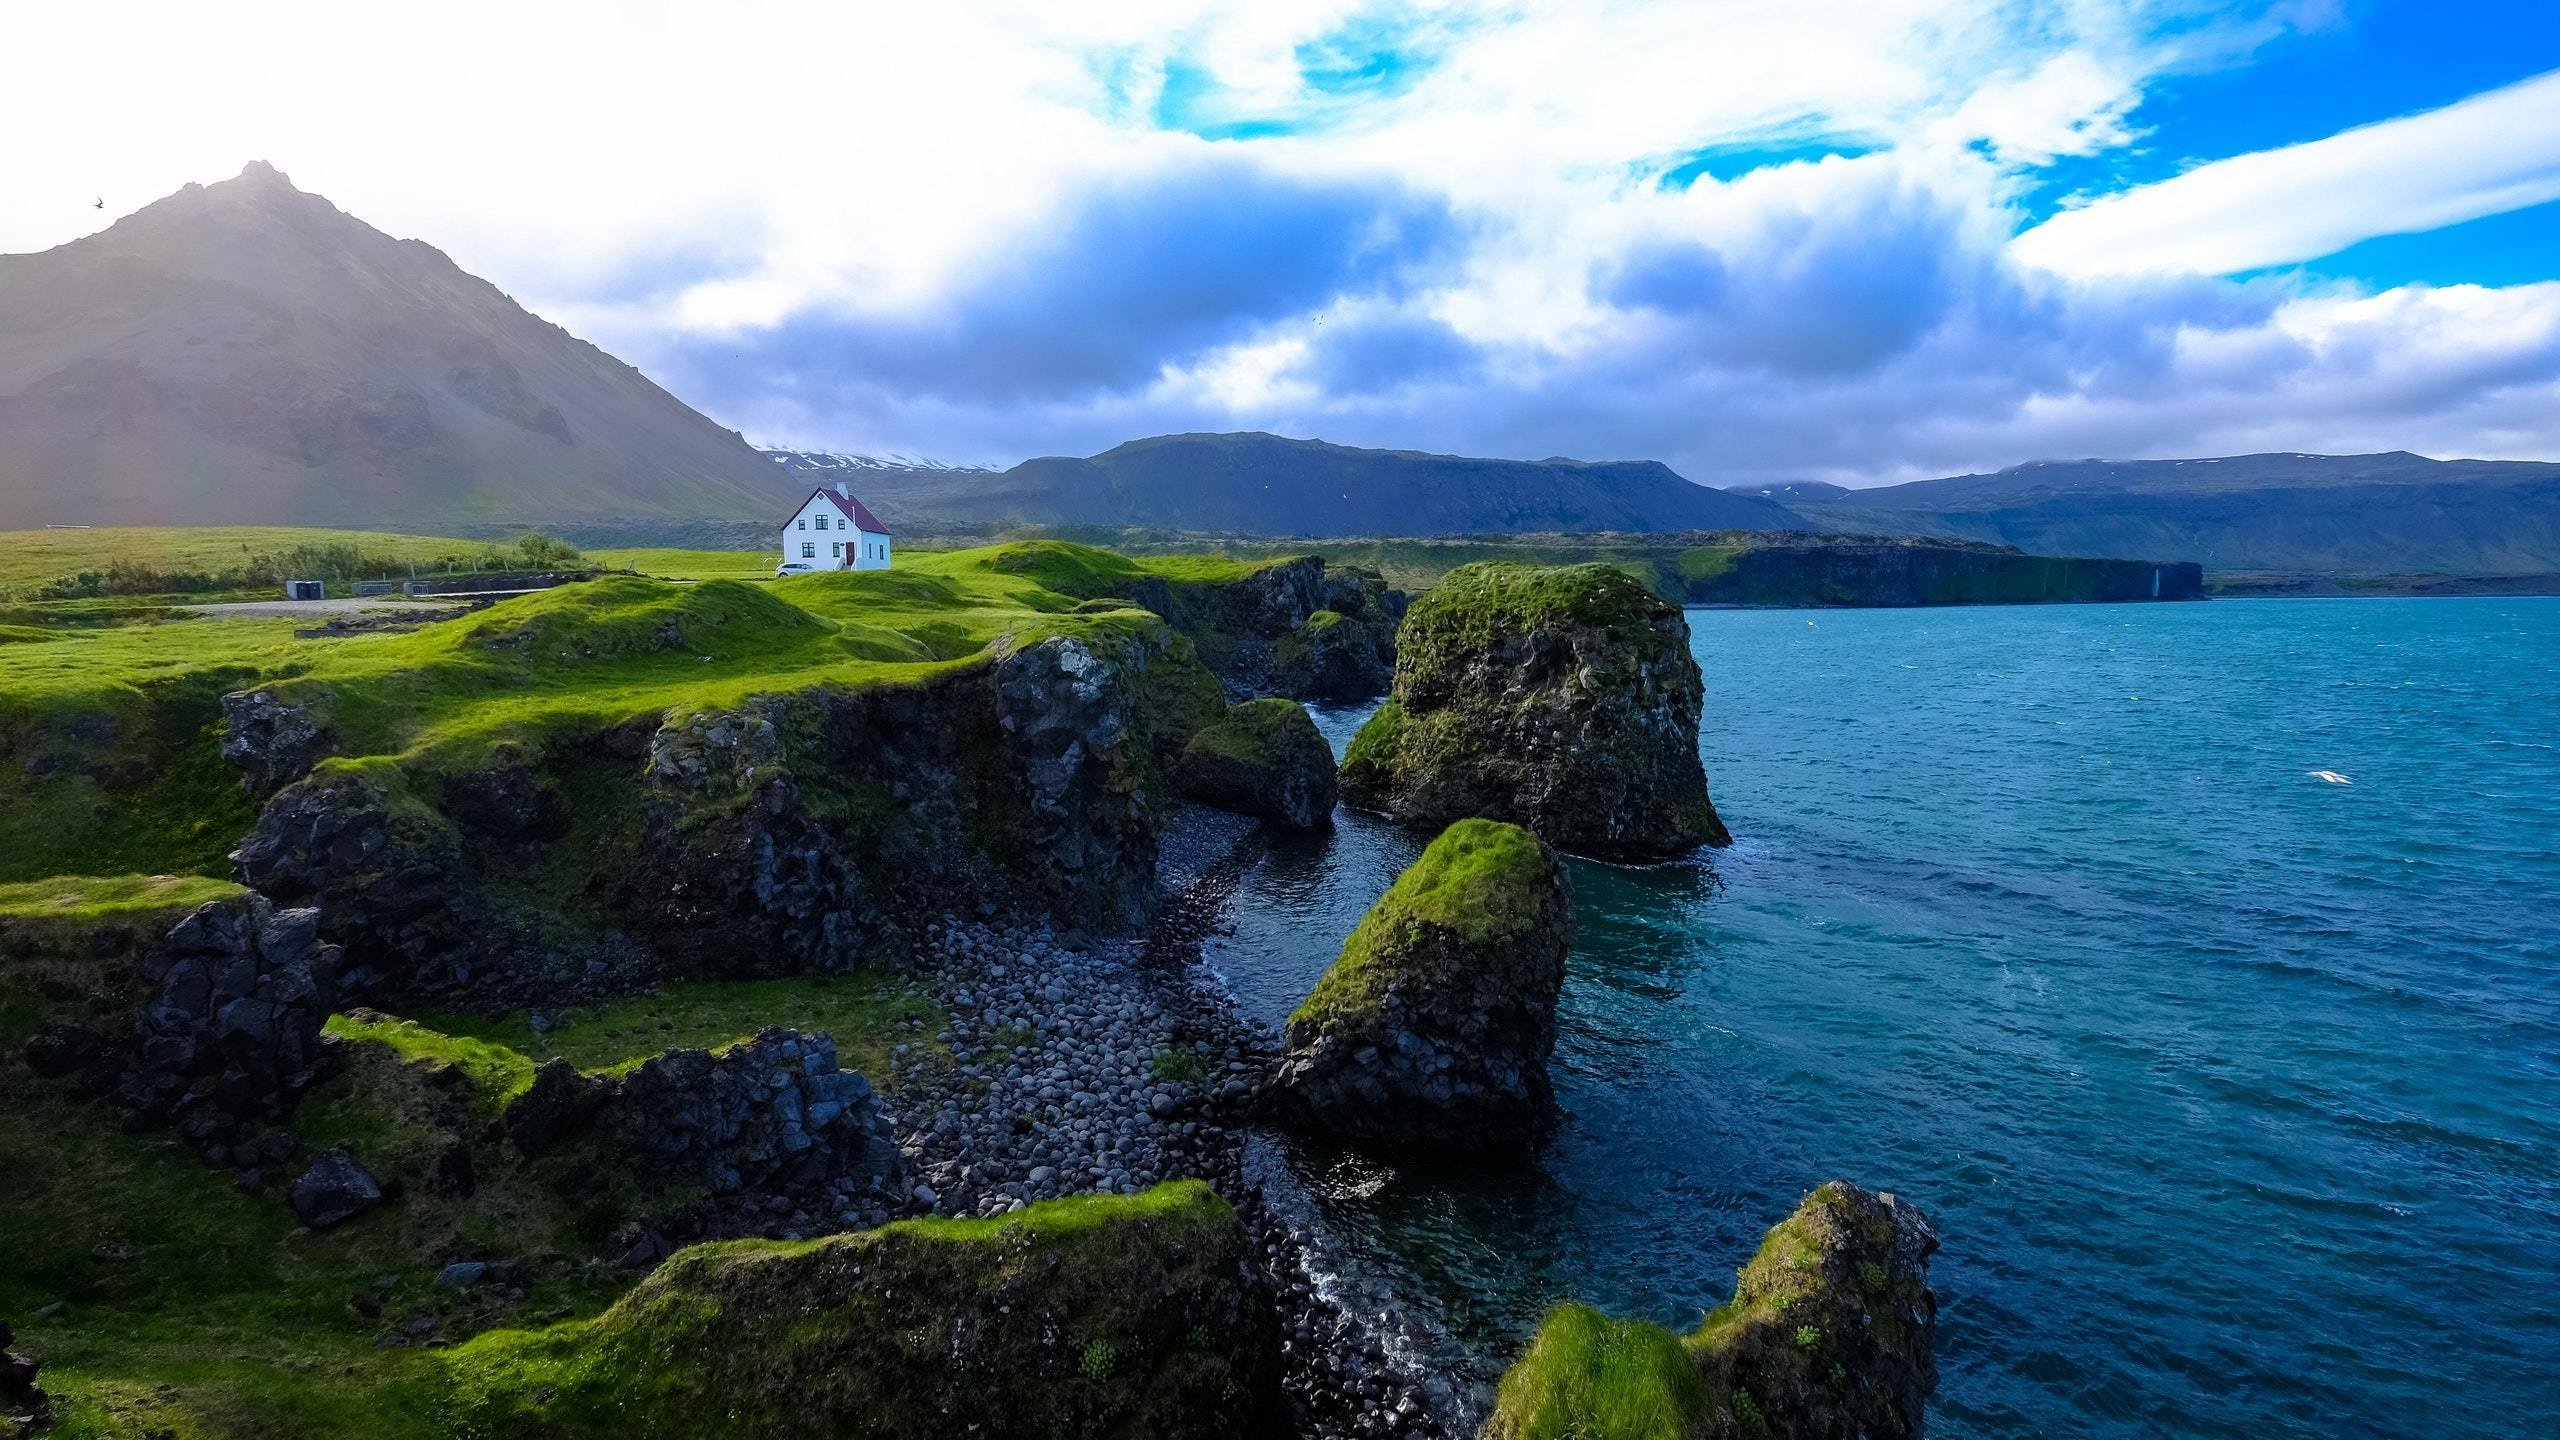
(311, 369)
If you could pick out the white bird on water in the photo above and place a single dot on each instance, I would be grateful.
(2331, 776)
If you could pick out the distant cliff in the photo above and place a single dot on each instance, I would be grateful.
(1864, 571)
(2393, 513)
(1749, 567)
(1257, 484)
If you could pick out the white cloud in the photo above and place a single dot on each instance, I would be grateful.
(2485, 155)
(959, 229)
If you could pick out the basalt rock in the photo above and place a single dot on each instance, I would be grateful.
(1332, 657)
(386, 872)
(1829, 1336)
(1265, 759)
(790, 833)
(769, 1114)
(558, 1104)
(1070, 714)
(797, 833)
(1132, 1316)
(271, 743)
(1434, 1028)
(737, 875)
(1564, 700)
(231, 1038)
(334, 1190)
(24, 1409)
(1296, 627)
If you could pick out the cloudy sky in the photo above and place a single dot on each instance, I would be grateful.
(1855, 240)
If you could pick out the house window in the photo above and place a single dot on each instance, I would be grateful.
(808, 550)
(804, 522)
(835, 551)
(822, 522)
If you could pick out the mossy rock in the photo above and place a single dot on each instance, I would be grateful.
(1102, 1315)
(1828, 1336)
(1333, 657)
(1563, 699)
(1265, 758)
(1434, 1027)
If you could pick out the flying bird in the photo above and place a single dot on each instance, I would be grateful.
(102, 202)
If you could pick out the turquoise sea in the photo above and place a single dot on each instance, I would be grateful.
(2234, 1092)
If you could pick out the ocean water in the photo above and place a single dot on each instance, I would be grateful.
(2234, 1093)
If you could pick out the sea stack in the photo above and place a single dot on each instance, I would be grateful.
(1264, 758)
(1433, 1029)
(1828, 1337)
(1563, 699)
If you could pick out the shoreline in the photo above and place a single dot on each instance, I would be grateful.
(1054, 1087)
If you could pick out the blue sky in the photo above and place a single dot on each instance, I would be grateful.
(1853, 240)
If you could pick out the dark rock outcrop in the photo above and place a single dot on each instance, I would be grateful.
(558, 1104)
(271, 743)
(770, 1114)
(24, 1409)
(1133, 1316)
(1069, 710)
(1294, 627)
(1829, 1336)
(1332, 657)
(1433, 1029)
(334, 1190)
(388, 876)
(785, 834)
(1265, 759)
(1564, 699)
(231, 1037)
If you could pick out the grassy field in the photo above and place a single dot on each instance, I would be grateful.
(108, 732)
(30, 557)
(172, 1302)
(693, 564)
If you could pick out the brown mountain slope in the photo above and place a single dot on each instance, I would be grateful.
(245, 353)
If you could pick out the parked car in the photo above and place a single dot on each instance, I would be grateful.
(792, 567)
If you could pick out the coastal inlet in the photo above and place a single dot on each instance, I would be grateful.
(2228, 1088)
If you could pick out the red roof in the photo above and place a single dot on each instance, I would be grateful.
(852, 509)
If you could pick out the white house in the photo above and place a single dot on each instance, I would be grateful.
(833, 531)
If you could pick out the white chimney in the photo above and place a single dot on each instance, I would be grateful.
(844, 490)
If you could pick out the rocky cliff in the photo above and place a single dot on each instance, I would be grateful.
(1114, 1315)
(1265, 759)
(1829, 1336)
(1294, 626)
(1563, 699)
(778, 834)
(1853, 570)
(1433, 1029)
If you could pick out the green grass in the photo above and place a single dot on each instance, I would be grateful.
(230, 1319)
(865, 1021)
(31, 557)
(1590, 1377)
(1813, 1295)
(495, 1074)
(1482, 879)
(1177, 1067)
(693, 564)
(1253, 731)
(109, 734)
(87, 899)
(1067, 1305)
